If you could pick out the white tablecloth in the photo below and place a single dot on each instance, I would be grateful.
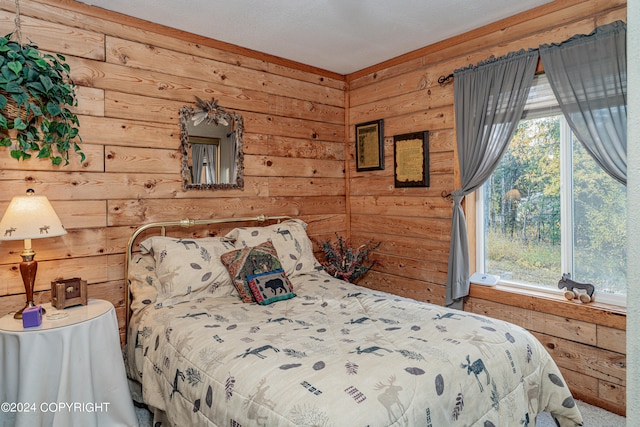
(66, 372)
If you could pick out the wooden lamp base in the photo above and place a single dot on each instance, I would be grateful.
(28, 269)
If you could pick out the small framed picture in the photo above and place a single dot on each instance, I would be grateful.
(411, 159)
(69, 292)
(370, 146)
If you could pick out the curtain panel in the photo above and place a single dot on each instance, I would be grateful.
(489, 101)
(588, 75)
(197, 152)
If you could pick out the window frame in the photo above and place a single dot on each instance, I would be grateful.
(474, 212)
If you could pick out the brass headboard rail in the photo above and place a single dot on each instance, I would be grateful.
(184, 223)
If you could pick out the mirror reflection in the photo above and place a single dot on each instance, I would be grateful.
(211, 142)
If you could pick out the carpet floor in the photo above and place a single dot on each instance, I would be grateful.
(592, 416)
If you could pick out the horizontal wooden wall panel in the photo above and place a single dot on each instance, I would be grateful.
(293, 127)
(53, 37)
(412, 268)
(436, 251)
(132, 132)
(145, 160)
(76, 243)
(90, 102)
(294, 167)
(595, 312)
(379, 183)
(601, 364)
(562, 327)
(422, 207)
(94, 161)
(403, 286)
(283, 146)
(421, 99)
(145, 108)
(612, 339)
(318, 186)
(134, 212)
(426, 228)
(145, 56)
(91, 269)
(75, 213)
(154, 84)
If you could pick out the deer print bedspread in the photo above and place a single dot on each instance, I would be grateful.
(340, 355)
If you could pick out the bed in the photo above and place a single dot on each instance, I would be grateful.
(247, 329)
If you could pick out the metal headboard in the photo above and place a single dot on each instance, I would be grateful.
(184, 223)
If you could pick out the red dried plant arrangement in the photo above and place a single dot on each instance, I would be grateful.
(345, 262)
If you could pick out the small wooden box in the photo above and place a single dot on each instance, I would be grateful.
(69, 292)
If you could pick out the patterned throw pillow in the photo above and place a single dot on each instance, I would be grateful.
(290, 240)
(189, 266)
(270, 287)
(250, 261)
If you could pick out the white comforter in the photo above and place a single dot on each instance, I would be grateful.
(340, 355)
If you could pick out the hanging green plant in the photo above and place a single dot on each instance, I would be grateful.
(35, 93)
(35, 90)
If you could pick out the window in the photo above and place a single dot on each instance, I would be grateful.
(549, 209)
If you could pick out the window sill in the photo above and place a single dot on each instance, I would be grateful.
(593, 312)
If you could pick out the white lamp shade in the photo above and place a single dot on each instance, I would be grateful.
(30, 217)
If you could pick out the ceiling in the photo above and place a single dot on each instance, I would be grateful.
(342, 36)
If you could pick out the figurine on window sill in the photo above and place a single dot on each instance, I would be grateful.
(576, 290)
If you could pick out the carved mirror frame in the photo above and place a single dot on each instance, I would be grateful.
(210, 113)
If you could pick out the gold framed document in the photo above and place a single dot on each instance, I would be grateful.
(411, 159)
(370, 146)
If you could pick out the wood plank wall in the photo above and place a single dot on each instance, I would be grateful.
(414, 224)
(133, 77)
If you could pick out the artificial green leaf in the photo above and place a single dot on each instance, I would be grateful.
(19, 124)
(46, 83)
(41, 63)
(37, 112)
(33, 53)
(20, 155)
(44, 152)
(20, 98)
(6, 142)
(53, 108)
(13, 87)
(15, 66)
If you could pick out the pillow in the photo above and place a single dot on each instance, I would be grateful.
(186, 266)
(250, 261)
(143, 282)
(290, 239)
(270, 287)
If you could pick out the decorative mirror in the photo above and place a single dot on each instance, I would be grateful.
(211, 143)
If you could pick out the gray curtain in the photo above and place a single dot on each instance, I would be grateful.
(588, 75)
(211, 154)
(233, 173)
(489, 100)
(197, 152)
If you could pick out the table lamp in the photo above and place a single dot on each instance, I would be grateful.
(29, 217)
